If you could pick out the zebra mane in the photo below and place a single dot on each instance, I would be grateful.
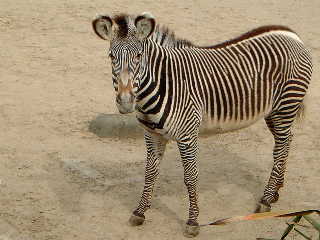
(166, 38)
(161, 35)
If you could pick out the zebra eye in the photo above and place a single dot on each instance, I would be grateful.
(112, 57)
(138, 57)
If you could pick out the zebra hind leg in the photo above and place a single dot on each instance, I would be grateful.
(280, 125)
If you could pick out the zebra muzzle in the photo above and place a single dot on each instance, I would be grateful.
(125, 103)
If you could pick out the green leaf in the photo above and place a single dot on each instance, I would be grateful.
(290, 227)
(302, 234)
(313, 222)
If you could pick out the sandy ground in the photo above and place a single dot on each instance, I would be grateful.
(59, 181)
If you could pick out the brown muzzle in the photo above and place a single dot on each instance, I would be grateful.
(125, 99)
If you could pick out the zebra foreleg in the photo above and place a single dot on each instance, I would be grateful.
(155, 145)
(189, 153)
(282, 135)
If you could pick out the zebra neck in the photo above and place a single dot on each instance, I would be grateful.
(156, 84)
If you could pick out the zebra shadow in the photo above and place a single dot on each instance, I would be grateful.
(222, 172)
(223, 177)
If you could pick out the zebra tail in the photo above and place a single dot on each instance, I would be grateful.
(302, 112)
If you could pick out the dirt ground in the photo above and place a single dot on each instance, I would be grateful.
(59, 181)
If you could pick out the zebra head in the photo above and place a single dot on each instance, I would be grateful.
(126, 35)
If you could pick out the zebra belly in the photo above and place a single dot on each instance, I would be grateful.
(211, 126)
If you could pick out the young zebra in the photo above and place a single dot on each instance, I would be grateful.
(175, 86)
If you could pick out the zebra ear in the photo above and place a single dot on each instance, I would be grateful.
(102, 26)
(145, 24)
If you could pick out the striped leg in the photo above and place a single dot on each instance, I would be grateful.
(280, 126)
(189, 153)
(155, 149)
(276, 180)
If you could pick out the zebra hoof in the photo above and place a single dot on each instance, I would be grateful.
(136, 219)
(191, 230)
(262, 207)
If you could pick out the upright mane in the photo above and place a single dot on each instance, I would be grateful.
(166, 38)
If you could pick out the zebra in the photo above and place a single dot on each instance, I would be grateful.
(175, 86)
